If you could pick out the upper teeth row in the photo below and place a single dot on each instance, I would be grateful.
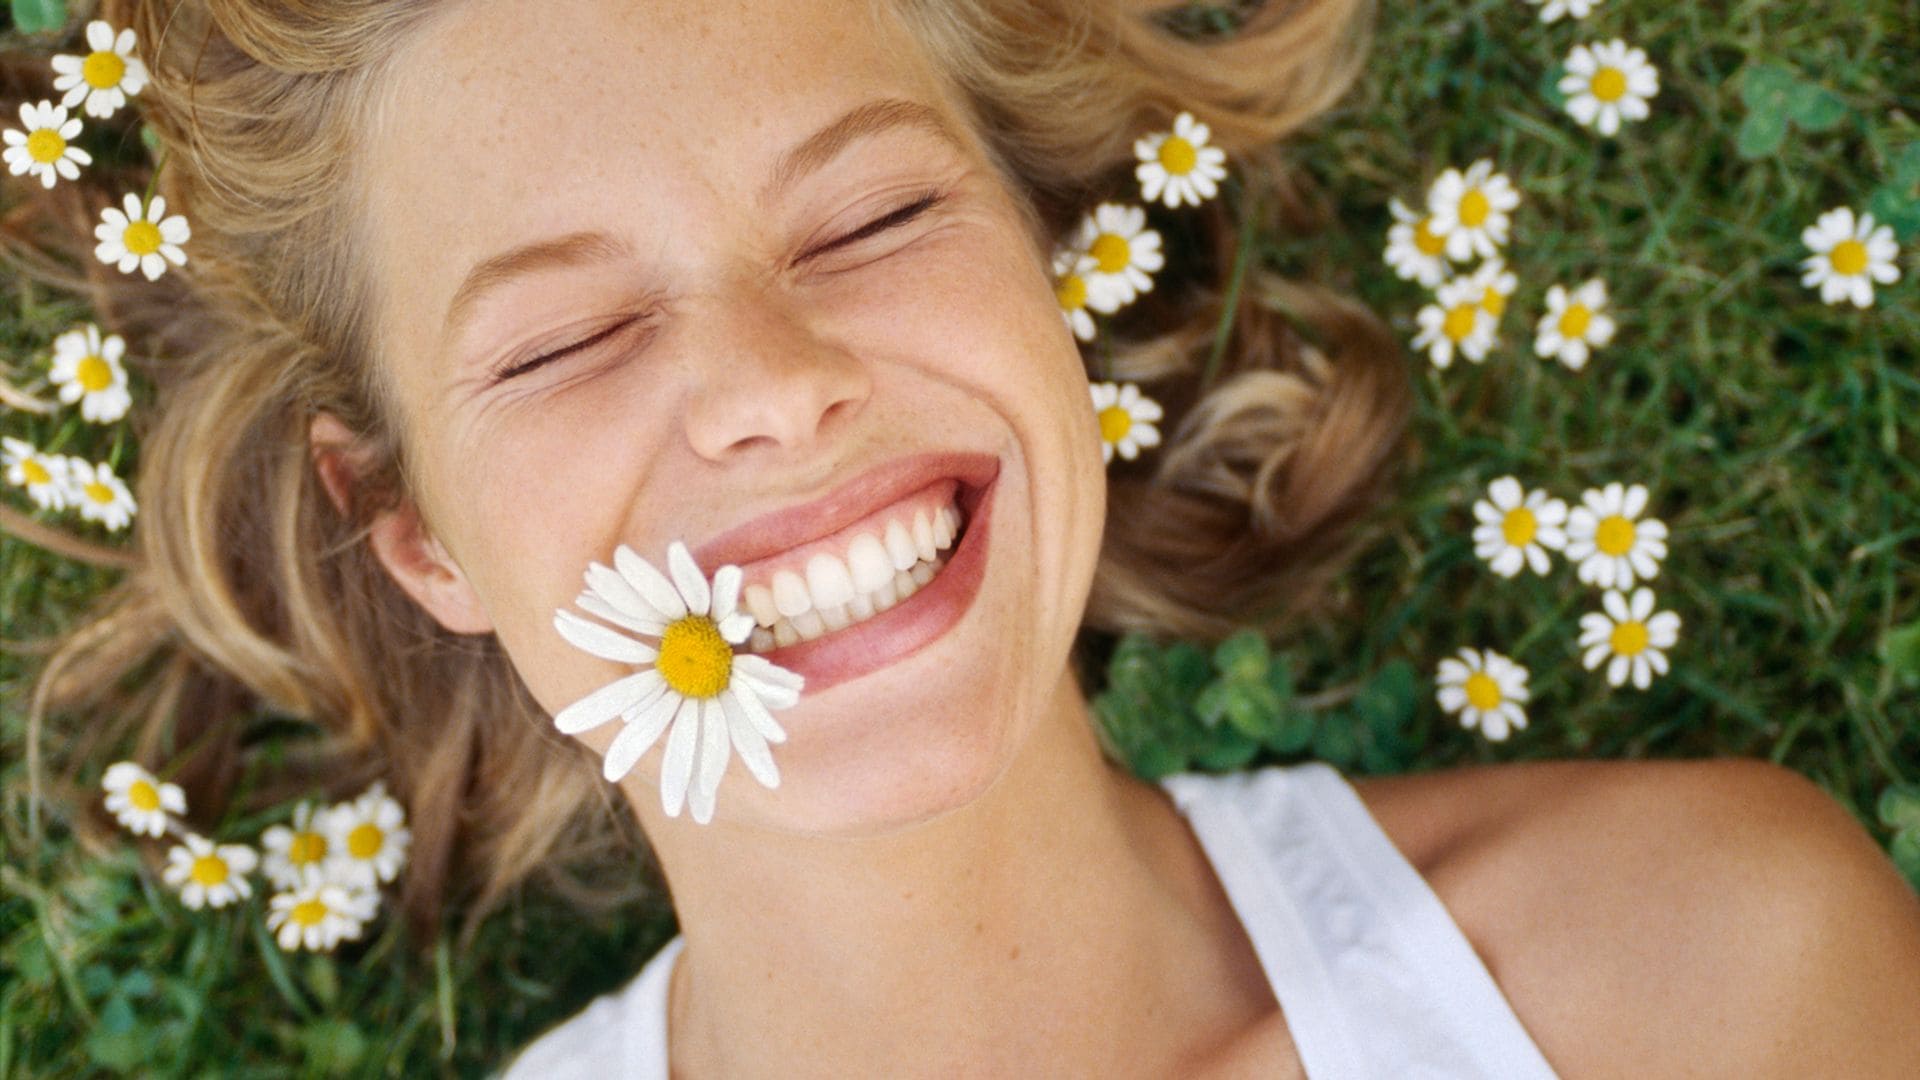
(867, 572)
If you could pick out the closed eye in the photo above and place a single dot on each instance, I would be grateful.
(508, 371)
(891, 220)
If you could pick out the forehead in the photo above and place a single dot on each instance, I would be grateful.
(498, 127)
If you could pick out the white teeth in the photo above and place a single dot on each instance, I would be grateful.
(828, 581)
(760, 602)
(790, 594)
(809, 625)
(867, 558)
(900, 546)
(921, 573)
(885, 596)
(953, 522)
(904, 584)
(760, 640)
(942, 530)
(923, 536)
(835, 617)
(861, 607)
(784, 634)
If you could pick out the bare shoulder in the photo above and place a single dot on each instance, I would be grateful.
(1701, 918)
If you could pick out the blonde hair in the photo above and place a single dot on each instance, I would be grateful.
(249, 591)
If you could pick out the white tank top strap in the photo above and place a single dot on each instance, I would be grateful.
(1374, 977)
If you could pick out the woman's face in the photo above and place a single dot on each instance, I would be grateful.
(806, 307)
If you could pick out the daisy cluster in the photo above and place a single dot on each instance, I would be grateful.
(1614, 546)
(327, 867)
(138, 234)
(1111, 257)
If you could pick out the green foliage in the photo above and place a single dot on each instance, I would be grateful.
(1175, 708)
(39, 16)
(1900, 811)
(1775, 95)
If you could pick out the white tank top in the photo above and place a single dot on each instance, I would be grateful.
(1374, 978)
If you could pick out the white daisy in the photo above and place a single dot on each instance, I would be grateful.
(1459, 322)
(1495, 284)
(1124, 251)
(1178, 166)
(139, 801)
(1070, 270)
(1575, 324)
(105, 76)
(1126, 420)
(141, 236)
(1516, 527)
(1608, 83)
(1473, 210)
(101, 496)
(209, 876)
(1414, 251)
(298, 853)
(1848, 257)
(1613, 545)
(1553, 10)
(43, 475)
(1486, 689)
(1632, 634)
(319, 914)
(713, 696)
(88, 370)
(367, 839)
(46, 148)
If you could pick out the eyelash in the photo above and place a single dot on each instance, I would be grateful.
(891, 220)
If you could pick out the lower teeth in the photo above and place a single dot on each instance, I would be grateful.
(811, 624)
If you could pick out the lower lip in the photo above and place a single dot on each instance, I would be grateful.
(905, 628)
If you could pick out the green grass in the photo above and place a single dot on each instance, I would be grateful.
(1778, 437)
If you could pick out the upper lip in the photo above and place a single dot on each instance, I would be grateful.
(887, 483)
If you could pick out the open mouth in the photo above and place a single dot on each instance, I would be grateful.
(858, 574)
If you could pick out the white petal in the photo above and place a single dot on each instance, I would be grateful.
(688, 578)
(726, 593)
(650, 583)
(605, 703)
(751, 744)
(676, 771)
(757, 714)
(601, 641)
(769, 673)
(716, 746)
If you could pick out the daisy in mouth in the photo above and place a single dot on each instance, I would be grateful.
(715, 700)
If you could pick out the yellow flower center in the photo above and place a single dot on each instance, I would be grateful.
(37, 473)
(142, 795)
(1460, 322)
(308, 912)
(46, 146)
(103, 69)
(1071, 291)
(694, 659)
(1425, 240)
(1629, 638)
(1482, 692)
(1609, 84)
(1574, 321)
(1474, 208)
(365, 840)
(1115, 422)
(99, 492)
(1614, 535)
(1848, 257)
(209, 870)
(1495, 302)
(1177, 155)
(94, 374)
(306, 848)
(1111, 252)
(1519, 526)
(143, 237)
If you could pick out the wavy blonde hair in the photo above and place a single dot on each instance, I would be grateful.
(249, 592)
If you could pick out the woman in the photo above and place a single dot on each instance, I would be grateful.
(518, 289)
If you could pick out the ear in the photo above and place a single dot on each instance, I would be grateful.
(413, 557)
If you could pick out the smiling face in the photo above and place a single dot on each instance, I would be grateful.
(809, 318)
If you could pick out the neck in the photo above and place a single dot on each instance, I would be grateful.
(1052, 907)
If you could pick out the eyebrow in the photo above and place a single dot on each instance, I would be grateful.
(809, 156)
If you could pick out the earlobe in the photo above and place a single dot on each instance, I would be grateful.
(413, 557)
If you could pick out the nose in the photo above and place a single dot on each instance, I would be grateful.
(768, 381)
